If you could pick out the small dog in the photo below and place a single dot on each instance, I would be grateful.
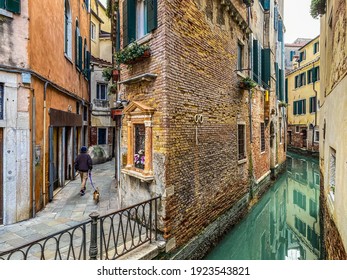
(96, 195)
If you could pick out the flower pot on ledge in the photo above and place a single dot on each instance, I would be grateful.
(115, 74)
(145, 55)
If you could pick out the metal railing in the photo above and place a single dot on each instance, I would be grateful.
(119, 233)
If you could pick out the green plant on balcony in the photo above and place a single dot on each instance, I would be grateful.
(132, 54)
(317, 8)
(247, 83)
(107, 74)
(282, 104)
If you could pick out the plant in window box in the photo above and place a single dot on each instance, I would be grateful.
(139, 159)
(247, 83)
(112, 89)
(248, 3)
(282, 104)
(132, 54)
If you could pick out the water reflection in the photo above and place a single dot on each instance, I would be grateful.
(284, 225)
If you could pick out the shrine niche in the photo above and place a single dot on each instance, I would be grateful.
(139, 141)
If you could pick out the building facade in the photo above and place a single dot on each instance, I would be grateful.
(291, 51)
(333, 128)
(302, 87)
(194, 131)
(102, 129)
(44, 100)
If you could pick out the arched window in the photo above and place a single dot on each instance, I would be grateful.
(68, 30)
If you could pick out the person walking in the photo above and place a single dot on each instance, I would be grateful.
(84, 165)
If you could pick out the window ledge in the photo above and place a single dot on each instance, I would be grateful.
(144, 39)
(6, 13)
(148, 77)
(241, 161)
(68, 58)
(138, 175)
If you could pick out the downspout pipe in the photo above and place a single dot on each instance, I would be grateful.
(44, 141)
(250, 71)
(33, 139)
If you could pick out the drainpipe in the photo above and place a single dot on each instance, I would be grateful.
(250, 69)
(315, 113)
(44, 141)
(33, 139)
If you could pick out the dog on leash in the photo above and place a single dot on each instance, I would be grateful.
(96, 195)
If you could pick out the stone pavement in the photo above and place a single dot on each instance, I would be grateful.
(67, 209)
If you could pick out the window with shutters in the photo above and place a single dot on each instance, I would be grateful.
(78, 47)
(139, 19)
(316, 47)
(101, 91)
(266, 67)
(10, 5)
(68, 30)
(299, 107)
(93, 31)
(300, 80)
(302, 55)
(257, 62)
(313, 104)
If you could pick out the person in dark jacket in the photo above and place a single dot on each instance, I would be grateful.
(84, 165)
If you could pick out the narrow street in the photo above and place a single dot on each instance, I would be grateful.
(67, 209)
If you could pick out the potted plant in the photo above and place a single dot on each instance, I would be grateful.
(282, 104)
(247, 83)
(115, 74)
(248, 3)
(107, 74)
(132, 54)
(317, 8)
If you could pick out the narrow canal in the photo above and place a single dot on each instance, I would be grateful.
(284, 224)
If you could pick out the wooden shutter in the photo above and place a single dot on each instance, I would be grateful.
(280, 31)
(277, 79)
(295, 109)
(276, 18)
(304, 106)
(13, 6)
(80, 50)
(152, 15)
(118, 33)
(255, 61)
(280, 84)
(266, 66)
(2, 4)
(129, 22)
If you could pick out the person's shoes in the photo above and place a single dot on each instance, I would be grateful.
(84, 188)
(82, 192)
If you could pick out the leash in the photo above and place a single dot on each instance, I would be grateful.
(91, 181)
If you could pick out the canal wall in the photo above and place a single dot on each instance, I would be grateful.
(332, 246)
(199, 246)
(303, 152)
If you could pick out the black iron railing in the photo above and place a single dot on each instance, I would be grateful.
(119, 233)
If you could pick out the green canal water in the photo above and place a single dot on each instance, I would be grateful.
(284, 224)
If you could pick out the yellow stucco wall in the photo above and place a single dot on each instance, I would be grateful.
(306, 91)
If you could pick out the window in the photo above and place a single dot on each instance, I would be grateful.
(300, 80)
(299, 199)
(241, 140)
(102, 133)
(68, 30)
(101, 91)
(85, 113)
(302, 55)
(316, 136)
(316, 47)
(300, 226)
(292, 53)
(78, 47)
(139, 18)
(280, 131)
(299, 107)
(239, 56)
(262, 137)
(332, 172)
(297, 129)
(1, 101)
(86, 69)
(313, 208)
(313, 104)
(93, 31)
(10, 5)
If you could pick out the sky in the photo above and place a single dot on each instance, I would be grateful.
(298, 21)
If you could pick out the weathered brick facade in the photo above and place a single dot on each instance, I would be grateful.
(195, 166)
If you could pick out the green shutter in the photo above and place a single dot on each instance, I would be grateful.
(314, 74)
(2, 4)
(129, 22)
(88, 65)
(277, 79)
(13, 6)
(266, 66)
(118, 33)
(281, 86)
(80, 50)
(304, 106)
(286, 90)
(152, 15)
(255, 61)
(295, 108)
(300, 107)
